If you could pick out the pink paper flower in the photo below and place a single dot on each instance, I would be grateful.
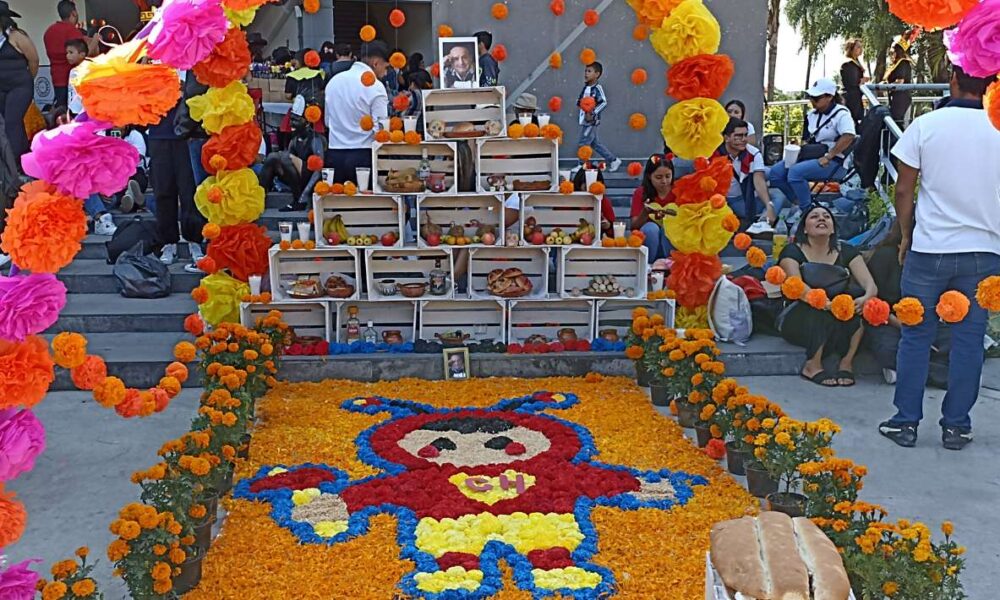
(975, 44)
(79, 161)
(22, 439)
(185, 32)
(18, 581)
(29, 304)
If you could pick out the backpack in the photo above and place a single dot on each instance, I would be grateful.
(729, 314)
(130, 233)
(141, 275)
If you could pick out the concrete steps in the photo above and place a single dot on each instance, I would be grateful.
(94, 276)
(112, 313)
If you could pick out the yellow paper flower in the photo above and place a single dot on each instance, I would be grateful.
(697, 228)
(688, 318)
(219, 108)
(224, 294)
(240, 18)
(690, 30)
(230, 197)
(693, 128)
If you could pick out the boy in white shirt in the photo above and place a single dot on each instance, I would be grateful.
(76, 51)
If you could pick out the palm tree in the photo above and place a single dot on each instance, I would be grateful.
(773, 25)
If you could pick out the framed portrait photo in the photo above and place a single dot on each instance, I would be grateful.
(456, 364)
(459, 62)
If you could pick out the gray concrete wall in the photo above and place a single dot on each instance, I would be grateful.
(532, 32)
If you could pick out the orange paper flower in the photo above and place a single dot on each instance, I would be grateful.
(91, 372)
(310, 6)
(817, 298)
(931, 14)
(314, 162)
(701, 76)
(555, 60)
(742, 242)
(120, 91)
(237, 145)
(793, 287)
(367, 33)
(842, 307)
(756, 257)
(693, 277)
(311, 59)
(588, 104)
(637, 121)
(710, 178)
(499, 52)
(313, 114)
(397, 18)
(775, 276)
(588, 56)
(952, 307)
(242, 249)
(639, 76)
(229, 60)
(909, 311)
(876, 312)
(555, 103)
(13, 518)
(401, 102)
(992, 103)
(634, 169)
(445, 31)
(44, 229)
(558, 7)
(591, 17)
(368, 79)
(584, 153)
(988, 293)
(26, 372)
(69, 349)
(499, 11)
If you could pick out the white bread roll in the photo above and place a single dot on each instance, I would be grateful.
(829, 578)
(736, 556)
(789, 578)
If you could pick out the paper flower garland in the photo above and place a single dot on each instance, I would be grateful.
(701, 76)
(224, 294)
(693, 277)
(229, 61)
(231, 197)
(697, 228)
(81, 162)
(44, 229)
(242, 249)
(184, 32)
(22, 439)
(236, 145)
(29, 304)
(219, 108)
(652, 12)
(688, 31)
(26, 372)
(975, 44)
(931, 14)
(992, 103)
(693, 128)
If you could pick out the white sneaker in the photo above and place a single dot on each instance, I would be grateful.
(760, 227)
(169, 254)
(105, 225)
(615, 165)
(889, 375)
(4, 259)
(196, 254)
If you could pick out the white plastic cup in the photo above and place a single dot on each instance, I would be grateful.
(328, 176)
(791, 155)
(285, 230)
(619, 229)
(409, 124)
(255, 285)
(543, 119)
(656, 280)
(364, 176)
(591, 175)
(524, 119)
(304, 230)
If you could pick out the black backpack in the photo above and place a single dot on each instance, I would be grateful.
(130, 233)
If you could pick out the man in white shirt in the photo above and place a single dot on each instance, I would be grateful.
(347, 100)
(748, 191)
(955, 244)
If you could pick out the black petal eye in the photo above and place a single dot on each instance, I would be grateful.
(443, 443)
(498, 443)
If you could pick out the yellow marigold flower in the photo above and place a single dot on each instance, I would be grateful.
(54, 591)
(129, 530)
(117, 550)
(84, 588)
(958, 551)
(889, 588)
(947, 528)
(676, 355)
(783, 438)
(163, 586)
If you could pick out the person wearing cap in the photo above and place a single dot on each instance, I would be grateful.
(829, 133)
(901, 72)
(18, 67)
(525, 104)
(347, 100)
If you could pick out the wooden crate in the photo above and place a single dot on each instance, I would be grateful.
(481, 319)
(406, 265)
(563, 211)
(288, 265)
(306, 318)
(578, 265)
(476, 106)
(395, 157)
(362, 215)
(442, 210)
(525, 159)
(399, 314)
(534, 262)
(546, 317)
(617, 314)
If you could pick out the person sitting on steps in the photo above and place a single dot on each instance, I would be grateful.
(291, 166)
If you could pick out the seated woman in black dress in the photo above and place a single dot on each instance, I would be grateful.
(817, 330)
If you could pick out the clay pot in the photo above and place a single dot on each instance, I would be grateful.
(609, 335)
(567, 334)
(190, 575)
(735, 459)
(792, 504)
(659, 395)
(703, 434)
(687, 414)
(759, 482)
(392, 336)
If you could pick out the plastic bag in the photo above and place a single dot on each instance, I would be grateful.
(141, 276)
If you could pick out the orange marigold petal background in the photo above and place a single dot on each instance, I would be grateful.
(658, 550)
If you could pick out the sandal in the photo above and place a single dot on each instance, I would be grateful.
(845, 375)
(820, 377)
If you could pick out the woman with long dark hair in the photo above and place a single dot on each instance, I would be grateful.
(900, 72)
(648, 200)
(738, 110)
(818, 257)
(18, 67)
(852, 76)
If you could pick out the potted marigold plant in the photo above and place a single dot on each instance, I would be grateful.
(643, 341)
(71, 579)
(750, 415)
(829, 482)
(149, 555)
(789, 444)
(691, 371)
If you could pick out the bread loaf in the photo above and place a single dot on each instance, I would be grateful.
(736, 556)
(789, 578)
(829, 580)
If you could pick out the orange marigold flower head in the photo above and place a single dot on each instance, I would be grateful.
(591, 17)
(756, 257)
(310, 7)
(412, 138)
(952, 306)
(793, 288)
(742, 242)
(396, 136)
(842, 307)
(597, 188)
(185, 352)
(532, 131)
(170, 385)
(499, 11)
(314, 162)
(110, 392)
(84, 588)
(401, 102)
(54, 590)
(588, 56)
(367, 123)
(368, 79)
(193, 324)
(637, 121)
(311, 59)
(555, 103)
(199, 295)
(909, 311)
(731, 223)
(499, 53)
(588, 104)
(367, 33)
(382, 137)
(775, 276)
(639, 76)
(634, 352)
(558, 7)
(635, 169)
(313, 114)
(640, 32)
(988, 291)
(210, 231)
(69, 350)
(555, 60)
(397, 18)
(584, 153)
(992, 103)
(817, 298)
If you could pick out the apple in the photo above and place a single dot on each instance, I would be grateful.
(334, 239)
(537, 238)
(433, 240)
(586, 239)
(489, 239)
(389, 239)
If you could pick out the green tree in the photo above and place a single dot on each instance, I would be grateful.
(773, 26)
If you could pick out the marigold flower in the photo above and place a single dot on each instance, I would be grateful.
(988, 290)
(793, 288)
(69, 350)
(177, 556)
(499, 11)
(129, 530)
(185, 352)
(842, 307)
(817, 298)
(909, 311)
(313, 114)
(587, 56)
(634, 352)
(637, 121)
(54, 590)
(84, 588)
(947, 528)
(952, 306)
(160, 571)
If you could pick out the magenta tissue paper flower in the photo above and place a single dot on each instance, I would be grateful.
(975, 44)
(18, 581)
(22, 439)
(185, 32)
(79, 161)
(29, 304)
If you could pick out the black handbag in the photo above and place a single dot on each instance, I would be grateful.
(833, 279)
(812, 151)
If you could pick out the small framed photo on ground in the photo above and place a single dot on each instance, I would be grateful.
(456, 364)
(459, 62)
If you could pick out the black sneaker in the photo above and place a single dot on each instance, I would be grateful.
(955, 438)
(903, 435)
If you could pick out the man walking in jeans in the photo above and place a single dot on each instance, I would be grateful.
(955, 244)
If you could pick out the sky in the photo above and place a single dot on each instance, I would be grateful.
(792, 61)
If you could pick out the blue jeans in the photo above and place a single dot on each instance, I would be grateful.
(794, 182)
(926, 277)
(194, 147)
(93, 205)
(656, 242)
(588, 137)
